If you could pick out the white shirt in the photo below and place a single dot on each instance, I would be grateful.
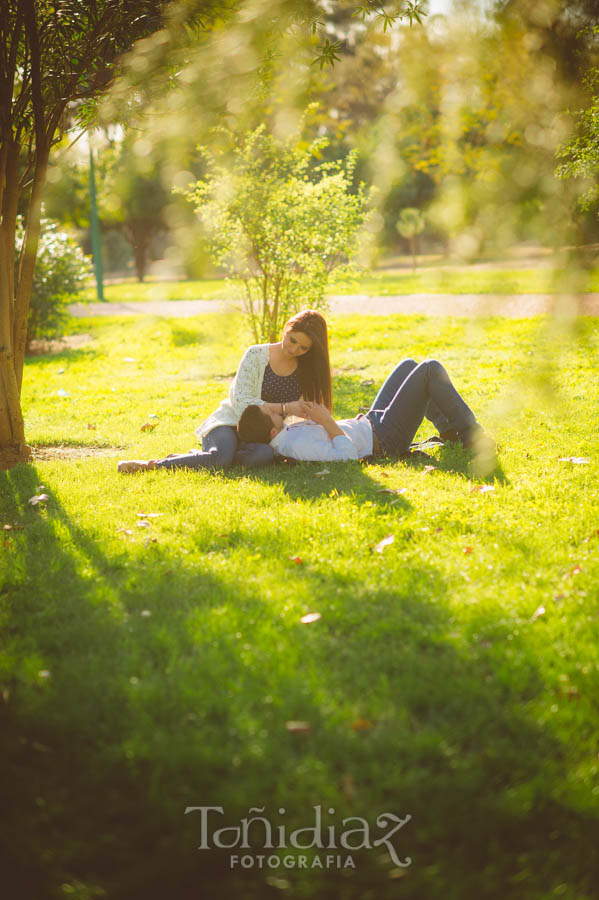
(245, 390)
(309, 441)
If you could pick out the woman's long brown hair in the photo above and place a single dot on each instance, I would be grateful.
(313, 368)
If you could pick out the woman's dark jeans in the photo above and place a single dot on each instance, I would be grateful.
(411, 392)
(221, 449)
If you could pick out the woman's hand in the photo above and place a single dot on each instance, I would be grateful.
(318, 413)
(300, 408)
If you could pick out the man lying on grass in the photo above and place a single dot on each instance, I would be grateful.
(410, 393)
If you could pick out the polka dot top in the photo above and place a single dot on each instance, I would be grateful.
(280, 388)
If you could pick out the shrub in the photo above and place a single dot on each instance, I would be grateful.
(60, 270)
(280, 221)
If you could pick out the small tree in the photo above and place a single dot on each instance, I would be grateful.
(280, 221)
(410, 225)
(60, 270)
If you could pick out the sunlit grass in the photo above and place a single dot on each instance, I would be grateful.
(451, 676)
(388, 282)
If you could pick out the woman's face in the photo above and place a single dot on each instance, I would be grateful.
(295, 343)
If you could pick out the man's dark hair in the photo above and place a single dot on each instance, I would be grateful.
(254, 426)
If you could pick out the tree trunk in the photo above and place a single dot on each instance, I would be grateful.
(12, 430)
(27, 265)
(413, 249)
(139, 256)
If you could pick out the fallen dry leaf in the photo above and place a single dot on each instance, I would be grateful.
(322, 472)
(384, 543)
(579, 460)
(539, 611)
(297, 560)
(148, 515)
(429, 469)
(310, 617)
(298, 727)
(481, 488)
(37, 499)
(143, 524)
(91, 426)
(149, 426)
(396, 873)
(399, 491)
(361, 725)
(124, 531)
(149, 541)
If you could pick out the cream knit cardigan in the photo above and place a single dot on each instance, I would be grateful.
(244, 391)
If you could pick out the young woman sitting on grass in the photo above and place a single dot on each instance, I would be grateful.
(279, 378)
(411, 392)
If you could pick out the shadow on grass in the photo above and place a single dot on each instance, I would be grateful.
(80, 354)
(182, 336)
(313, 480)
(134, 684)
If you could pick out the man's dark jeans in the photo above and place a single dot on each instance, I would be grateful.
(221, 449)
(411, 392)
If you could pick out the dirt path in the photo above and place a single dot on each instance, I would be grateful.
(513, 306)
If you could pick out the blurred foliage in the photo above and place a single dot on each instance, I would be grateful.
(460, 117)
(61, 268)
(279, 220)
(133, 197)
(136, 206)
(581, 152)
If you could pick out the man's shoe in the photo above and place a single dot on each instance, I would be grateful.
(434, 441)
(129, 466)
(450, 436)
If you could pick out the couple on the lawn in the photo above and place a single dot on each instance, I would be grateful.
(293, 378)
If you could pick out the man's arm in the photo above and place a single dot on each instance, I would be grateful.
(320, 414)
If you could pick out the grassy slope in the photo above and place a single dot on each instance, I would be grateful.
(139, 676)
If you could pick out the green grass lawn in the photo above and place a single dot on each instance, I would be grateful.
(439, 280)
(453, 676)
